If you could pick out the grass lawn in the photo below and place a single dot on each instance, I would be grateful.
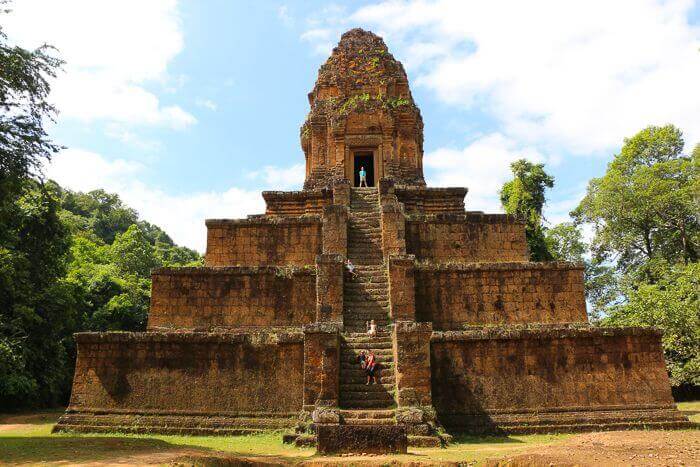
(691, 410)
(28, 439)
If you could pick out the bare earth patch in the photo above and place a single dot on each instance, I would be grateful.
(615, 448)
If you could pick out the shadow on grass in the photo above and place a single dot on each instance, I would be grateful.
(484, 439)
(76, 448)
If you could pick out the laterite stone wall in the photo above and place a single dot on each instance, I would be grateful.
(452, 296)
(297, 203)
(263, 241)
(195, 373)
(506, 370)
(470, 237)
(424, 200)
(206, 298)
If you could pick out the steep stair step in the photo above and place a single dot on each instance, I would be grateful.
(368, 404)
(384, 387)
(350, 397)
(374, 346)
(368, 414)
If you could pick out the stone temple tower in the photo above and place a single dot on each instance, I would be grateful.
(362, 114)
(471, 335)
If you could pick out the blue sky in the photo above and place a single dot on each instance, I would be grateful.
(188, 109)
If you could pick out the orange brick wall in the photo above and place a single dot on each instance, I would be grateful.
(194, 373)
(502, 371)
(205, 298)
(452, 296)
(263, 241)
(466, 237)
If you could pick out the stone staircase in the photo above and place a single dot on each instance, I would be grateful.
(366, 297)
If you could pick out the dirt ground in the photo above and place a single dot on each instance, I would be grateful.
(614, 448)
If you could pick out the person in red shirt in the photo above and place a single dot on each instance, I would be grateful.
(371, 368)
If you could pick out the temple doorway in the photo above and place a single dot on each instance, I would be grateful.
(364, 159)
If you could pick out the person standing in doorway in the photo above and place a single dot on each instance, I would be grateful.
(363, 176)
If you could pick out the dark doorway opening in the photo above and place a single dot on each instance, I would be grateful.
(366, 160)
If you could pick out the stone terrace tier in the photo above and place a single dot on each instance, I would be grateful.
(235, 297)
(263, 241)
(517, 379)
(454, 295)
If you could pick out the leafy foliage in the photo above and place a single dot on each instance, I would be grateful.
(58, 276)
(565, 243)
(24, 87)
(524, 196)
(672, 303)
(643, 209)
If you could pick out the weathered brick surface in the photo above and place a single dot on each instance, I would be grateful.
(335, 230)
(297, 203)
(206, 298)
(329, 288)
(479, 374)
(402, 289)
(196, 373)
(263, 241)
(411, 343)
(423, 200)
(321, 365)
(470, 237)
(452, 296)
(393, 229)
(375, 439)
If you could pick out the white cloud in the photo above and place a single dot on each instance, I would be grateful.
(207, 104)
(281, 178)
(112, 50)
(482, 166)
(284, 16)
(132, 138)
(576, 76)
(321, 38)
(181, 216)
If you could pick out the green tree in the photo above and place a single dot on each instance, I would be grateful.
(565, 242)
(673, 304)
(105, 213)
(133, 254)
(524, 196)
(642, 209)
(24, 87)
(37, 311)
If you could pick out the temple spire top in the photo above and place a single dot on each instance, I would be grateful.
(362, 110)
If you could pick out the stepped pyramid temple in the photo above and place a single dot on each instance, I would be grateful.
(472, 336)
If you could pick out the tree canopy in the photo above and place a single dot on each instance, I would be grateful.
(524, 196)
(643, 208)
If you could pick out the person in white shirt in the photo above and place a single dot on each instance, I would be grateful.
(351, 269)
(371, 329)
